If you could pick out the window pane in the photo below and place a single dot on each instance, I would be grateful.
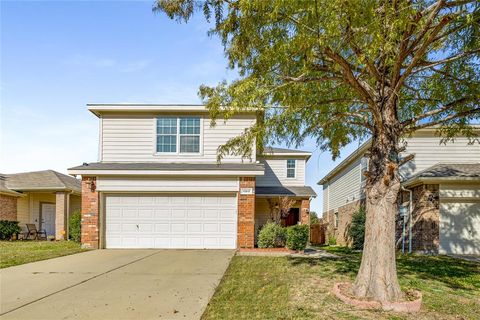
(166, 125)
(166, 143)
(189, 144)
(291, 168)
(290, 163)
(189, 125)
(290, 173)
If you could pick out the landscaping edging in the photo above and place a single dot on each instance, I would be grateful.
(402, 306)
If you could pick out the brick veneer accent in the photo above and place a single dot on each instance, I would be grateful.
(90, 211)
(344, 219)
(246, 214)
(305, 211)
(8, 207)
(60, 215)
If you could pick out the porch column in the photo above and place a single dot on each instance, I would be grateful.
(246, 213)
(90, 233)
(305, 211)
(61, 207)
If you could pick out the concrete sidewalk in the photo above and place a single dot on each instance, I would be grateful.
(114, 284)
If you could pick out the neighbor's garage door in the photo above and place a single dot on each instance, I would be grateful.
(459, 220)
(171, 221)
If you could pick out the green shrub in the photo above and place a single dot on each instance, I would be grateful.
(8, 229)
(272, 235)
(297, 237)
(356, 230)
(313, 217)
(74, 226)
(332, 240)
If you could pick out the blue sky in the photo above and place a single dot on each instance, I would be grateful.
(58, 56)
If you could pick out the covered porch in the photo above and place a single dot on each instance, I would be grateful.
(287, 205)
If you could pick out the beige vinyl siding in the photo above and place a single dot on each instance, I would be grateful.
(28, 207)
(344, 187)
(23, 210)
(189, 184)
(429, 151)
(276, 173)
(130, 138)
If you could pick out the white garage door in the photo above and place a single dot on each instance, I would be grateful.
(460, 227)
(171, 221)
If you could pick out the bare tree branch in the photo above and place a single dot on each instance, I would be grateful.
(440, 121)
(430, 64)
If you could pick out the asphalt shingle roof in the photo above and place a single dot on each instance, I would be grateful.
(451, 170)
(47, 179)
(4, 189)
(286, 191)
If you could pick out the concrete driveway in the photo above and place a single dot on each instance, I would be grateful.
(114, 284)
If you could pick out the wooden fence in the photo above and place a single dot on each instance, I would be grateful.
(317, 233)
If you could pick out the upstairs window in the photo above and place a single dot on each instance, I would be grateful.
(167, 135)
(189, 135)
(291, 168)
(183, 132)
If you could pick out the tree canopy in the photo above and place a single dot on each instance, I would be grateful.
(325, 68)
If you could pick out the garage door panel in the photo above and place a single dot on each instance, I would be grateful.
(161, 221)
(460, 227)
(162, 213)
(146, 213)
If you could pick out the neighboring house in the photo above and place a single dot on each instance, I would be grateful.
(45, 198)
(445, 183)
(158, 185)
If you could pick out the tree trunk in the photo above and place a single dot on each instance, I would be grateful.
(377, 276)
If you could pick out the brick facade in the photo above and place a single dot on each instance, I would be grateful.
(90, 213)
(426, 219)
(8, 207)
(305, 211)
(246, 214)
(344, 219)
(425, 223)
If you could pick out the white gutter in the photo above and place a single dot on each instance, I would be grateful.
(410, 218)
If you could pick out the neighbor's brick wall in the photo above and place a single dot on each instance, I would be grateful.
(90, 211)
(8, 208)
(246, 215)
(305, 211)
(345, 218)
(426, 219)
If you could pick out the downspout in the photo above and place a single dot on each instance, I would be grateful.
(409, 218)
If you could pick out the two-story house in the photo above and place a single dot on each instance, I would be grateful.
(441, 194)
(157, 183)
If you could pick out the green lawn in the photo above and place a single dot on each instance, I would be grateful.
(300, 288)
(13, 253)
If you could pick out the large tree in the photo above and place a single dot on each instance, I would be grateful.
(343, 70)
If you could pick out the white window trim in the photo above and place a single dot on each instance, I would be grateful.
(286, 172)
(177, 153)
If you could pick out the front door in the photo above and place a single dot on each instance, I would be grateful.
(292, 218)
(48, 218)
